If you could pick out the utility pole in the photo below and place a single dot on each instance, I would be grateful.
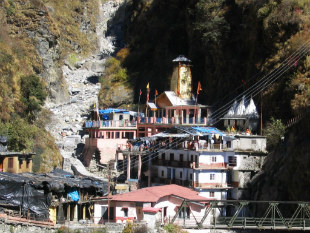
(261, 114)
(109, 191)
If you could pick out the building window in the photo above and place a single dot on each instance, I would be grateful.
(253, 141)
(190, 176)
(125, 212)
(213, 159)
(10, 165)
(228, 143)
(196, 159)
(232, 161)
(181, 174)
(171, 157)
(27, 164)
(162, 173)
(117, 134)
(212, 176)
(185, 212)
(211, 194)
(192, 158)
(163, 155)
(181, 157)
(20, 164)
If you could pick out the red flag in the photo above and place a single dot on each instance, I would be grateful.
(147, 92)
(140, 93)
(199, 88)
(156, 92)
(296, 63)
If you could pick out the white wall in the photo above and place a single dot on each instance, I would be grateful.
(219, 177)
(251, 142)
(218, 194)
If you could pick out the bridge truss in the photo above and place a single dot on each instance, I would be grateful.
(242, 214)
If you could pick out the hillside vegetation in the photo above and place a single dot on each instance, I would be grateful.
(35, 38)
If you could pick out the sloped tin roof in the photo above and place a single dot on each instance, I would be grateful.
(153, 194)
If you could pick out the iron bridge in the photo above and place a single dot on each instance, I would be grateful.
(243, 214)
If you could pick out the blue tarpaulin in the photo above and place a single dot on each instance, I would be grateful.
(111, 110)
(209, 130)
(74, 195)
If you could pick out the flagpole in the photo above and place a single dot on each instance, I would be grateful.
(139, 105)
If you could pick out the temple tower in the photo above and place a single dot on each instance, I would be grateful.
(181, 80)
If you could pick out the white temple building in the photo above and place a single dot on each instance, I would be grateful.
(242, 115)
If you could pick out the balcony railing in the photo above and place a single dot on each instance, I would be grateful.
(110, 123)
(161, 180)
(173, 120)
(174, 163)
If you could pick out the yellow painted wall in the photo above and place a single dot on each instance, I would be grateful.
(53, 214)
(15, 168)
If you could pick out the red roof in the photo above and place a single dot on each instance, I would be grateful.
(151, 209)
(153, 194)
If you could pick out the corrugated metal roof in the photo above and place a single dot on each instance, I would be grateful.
(152, 106)
(176, 100)
(153, 194)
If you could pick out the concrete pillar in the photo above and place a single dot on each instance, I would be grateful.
(128, 166)
(60, 214)
(199, 115)
(149, 178)
(187, 116)
(139, 166)
(68, 212)
(84, 211)
(116, 160)
(75, 215)
(182, 120)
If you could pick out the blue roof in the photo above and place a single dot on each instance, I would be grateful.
(111, 110)
(209, 130)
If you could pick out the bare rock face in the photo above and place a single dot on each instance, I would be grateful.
(82, 83)
(285, 175)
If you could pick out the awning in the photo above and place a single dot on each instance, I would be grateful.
(152, 106)
(151, 209)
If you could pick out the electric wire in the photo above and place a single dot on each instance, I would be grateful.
(266, 80)
(260, 88)
(271, 74)
(150, 156)
(147, 159)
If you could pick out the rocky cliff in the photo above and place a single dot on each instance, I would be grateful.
(65, 44)
(285, 174)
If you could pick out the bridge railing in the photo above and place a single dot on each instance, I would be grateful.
(232, 214)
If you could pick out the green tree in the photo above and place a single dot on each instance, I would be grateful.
(210, 20)
(274, 130)
(33, 95)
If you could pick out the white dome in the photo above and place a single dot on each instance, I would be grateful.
(251, 109)
(232, 110)
(241, 107)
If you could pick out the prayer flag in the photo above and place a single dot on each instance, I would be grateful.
(199, 88)
(148, 86)
(140, 93)
(156, 92)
